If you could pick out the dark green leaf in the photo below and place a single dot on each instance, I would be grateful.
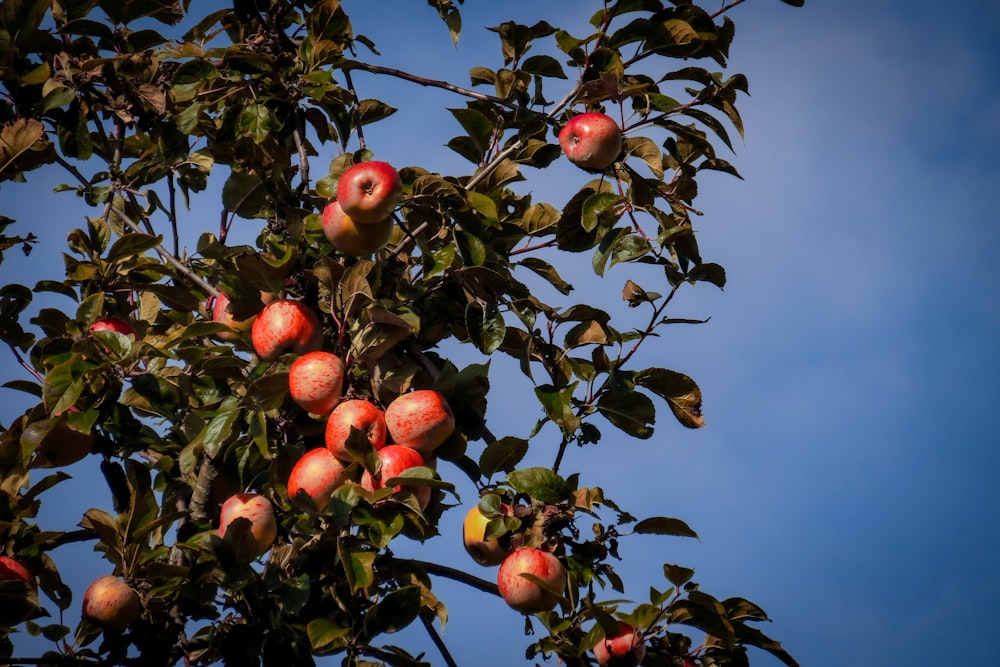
(661, 525)
(540, 483)
(630, 411)
(680, 391)
(503, 454)
(485, 326)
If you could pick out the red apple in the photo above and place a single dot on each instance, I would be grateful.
(369, 191)
(591, 140)
(112, 323)
(285, 325)
(221, 314)
(18, 604)
(395, 460)
(362, 415)
(111, 603)
(626, 649)
(263, 524)
(420, 420)
(352, 238)
(523, 594)
(484, 551)
(316, 381)
(317, 474)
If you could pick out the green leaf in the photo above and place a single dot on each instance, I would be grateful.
(661, 525)
(677, 574)
(630, 411)
(396, 610)
(257, 122)
(600, 207)
(540, 483)
(503, 454)
(244, 194)
(709, 273)
(485, 326)
(323, 633)
(130, 245)
(370, 111)
(753, 636)
(547, 271)
(558, 406)
(539, 219)
(543, 65)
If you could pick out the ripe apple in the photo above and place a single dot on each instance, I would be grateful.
(626, 649)
(18, 604)
(591, 140)
(523, 594)
(351, 237)
(484, 551)
(316, 381)
(111, 603)
(368, 191)
(420, 420)
(395, 460)
(56, 444)
(362, 415)
(221, 314)
(284, 325)
(263, 524)
(113, 323)
(316, 474)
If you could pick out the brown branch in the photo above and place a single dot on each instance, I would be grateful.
(453, 574)
(438, 642)
(24, 364)
(433, 83)
(203, 489)
(82, 535)
(356, 103)
(725, 8)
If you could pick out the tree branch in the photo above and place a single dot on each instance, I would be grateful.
(453, 574)
(432, 83)
(436, 638)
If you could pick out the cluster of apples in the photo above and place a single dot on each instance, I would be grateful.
(359, 221)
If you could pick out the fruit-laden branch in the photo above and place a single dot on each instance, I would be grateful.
(453, 574)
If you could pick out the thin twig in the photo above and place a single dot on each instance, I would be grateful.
(356, 103)
(436, 638)
(434, 83)
(24, 364)
(173, 211)
(725, 8)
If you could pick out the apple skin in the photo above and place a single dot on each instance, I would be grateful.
(113, 323)
(421, 420)
(591, 140)
(521, 593)
(395, 460)
(111, 603)
(263, 524)
(316, 381)
(12, 570)
(221, 314)
(485, 552)
(368, 191)
(286, 325)
(318, 473)
(627, 648)
(352, 238)
(16, 611)
(362, 415)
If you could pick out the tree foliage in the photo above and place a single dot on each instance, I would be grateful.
(139, 117)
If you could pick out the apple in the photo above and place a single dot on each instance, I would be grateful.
(19, 604)
(111, 603)
(113, 323)
(368, 191)
(316, 474)
(221, 314)
(591, 140)
(285, 325)
(395, 460)
(484, 551)
(523, 594)
(420, 420)
(263, 524)
(316, 381)
(56, 444)
(351, 237)
(626, 649)
(362, 415)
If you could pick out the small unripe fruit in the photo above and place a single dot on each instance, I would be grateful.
(484, 551)
(362, 415)
(263, 524)
(368, 191)
(420, 420)
(626, 649)
(353, 238)
(523, 594)
(111, 603)
(317, 474)
(591, 140)
(286, 325)
(395, 460)
(316, 381)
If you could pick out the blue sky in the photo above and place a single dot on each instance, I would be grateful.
(845, 478)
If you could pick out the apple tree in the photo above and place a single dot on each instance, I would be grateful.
(270, 418)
